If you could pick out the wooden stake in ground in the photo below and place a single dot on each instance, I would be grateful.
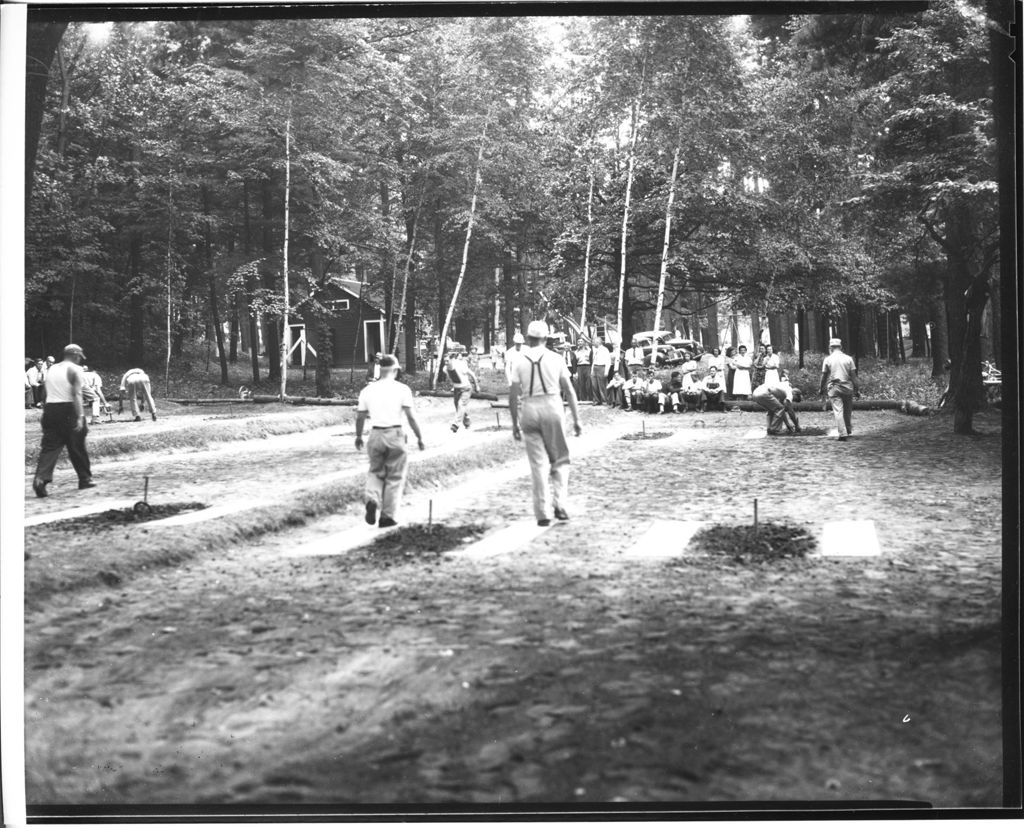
(755, 517)
(443, 338)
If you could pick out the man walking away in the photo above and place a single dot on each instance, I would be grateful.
(539, 381)
(839, 379)
(384, 402)
(64, 422)
(464, 384)
(134, 382)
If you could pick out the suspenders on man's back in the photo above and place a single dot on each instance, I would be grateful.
(535, 370)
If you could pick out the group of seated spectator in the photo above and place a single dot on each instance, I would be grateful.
(683, 391)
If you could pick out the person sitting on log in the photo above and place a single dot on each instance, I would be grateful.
(691, 394)
(616, 398)
(713, 389)
(654, 394)
(633, 392)
(675, 390)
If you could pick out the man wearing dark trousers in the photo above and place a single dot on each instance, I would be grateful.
(64, 422)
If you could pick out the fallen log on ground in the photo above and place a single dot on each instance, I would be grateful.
(904, 406)
(271, 398)
(476, 395)
(212, 401)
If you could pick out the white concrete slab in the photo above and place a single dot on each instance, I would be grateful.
(200, 515)
(664, 539)
(849, 539)
(505, 540)
(341, 543)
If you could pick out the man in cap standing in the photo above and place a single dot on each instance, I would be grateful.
(512, 354)
(64, 422)
(539, 381)
(385, 402)
(839, 379)
(464, 385)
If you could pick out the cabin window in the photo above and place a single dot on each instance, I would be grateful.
(337, 304)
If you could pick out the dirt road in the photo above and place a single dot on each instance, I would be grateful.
(565, 669)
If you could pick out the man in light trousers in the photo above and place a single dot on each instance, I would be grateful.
(839, 379)
(539, 381)
(135, 382)
(384, 402)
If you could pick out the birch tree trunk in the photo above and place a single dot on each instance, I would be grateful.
(443, 337)
(664, 249)
(405, 276)
(634, 128)
(286, 331)
(586, 257)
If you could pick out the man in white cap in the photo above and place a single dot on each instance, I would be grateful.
(135, 382)
(512, 354)
(839, 380)
(385, 402)
(464, 385)
(64, 424)
(539, 381)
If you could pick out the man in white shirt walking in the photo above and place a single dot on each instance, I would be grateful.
(839, 380)
(464, 385)
(384, 403)
(64, 423)
(539, 381)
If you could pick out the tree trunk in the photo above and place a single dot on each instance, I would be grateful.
(465, 251)
(271, 340)
(285, 327)
(324, 357)
(410, 329)
(136, 315)
(250, 287)
(388, 271)
(233, 342)
(668, 237)
(918, 335)
(712, 310)
(940, 337)
(218, 330)
(590, 237)
(41, 44)
(801, 335)
(634, 128)
(508, 286)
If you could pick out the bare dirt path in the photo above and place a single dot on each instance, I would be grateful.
(563, 671)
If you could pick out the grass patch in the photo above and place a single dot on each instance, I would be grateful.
(60, 561)
(879, 380)
(771, 542)
(197, 433)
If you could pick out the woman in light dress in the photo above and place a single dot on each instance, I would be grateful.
(771, 367)
(741, 379)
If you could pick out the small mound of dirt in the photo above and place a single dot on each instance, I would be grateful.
(113, 518)
(650, 435)
(805, 432)
(415, 542)
(773, 541)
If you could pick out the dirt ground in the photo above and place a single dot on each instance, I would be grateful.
(564, 671)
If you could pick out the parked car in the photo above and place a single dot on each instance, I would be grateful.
(678, 346)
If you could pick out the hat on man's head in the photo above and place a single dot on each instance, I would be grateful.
(835, 342)
(538, 329)
(74, 349)
(388, 361)
(518, 339)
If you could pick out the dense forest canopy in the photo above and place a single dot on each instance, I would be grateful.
(610, 169)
